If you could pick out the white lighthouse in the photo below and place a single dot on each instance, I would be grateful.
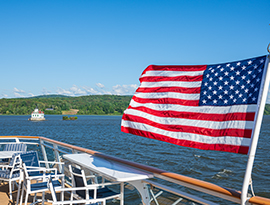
(37, 115)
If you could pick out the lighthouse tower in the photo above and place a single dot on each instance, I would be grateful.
(37, 115)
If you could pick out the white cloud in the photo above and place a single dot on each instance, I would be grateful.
(45, 91)
(31, 94)
(124, 89)
(15, 90)
(91, 91)
(62, 91)
(77, 91)
(100, 85)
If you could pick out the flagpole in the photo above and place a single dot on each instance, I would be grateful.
(256, 133)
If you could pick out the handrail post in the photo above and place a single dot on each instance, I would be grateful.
(57, 157)
(44, 152)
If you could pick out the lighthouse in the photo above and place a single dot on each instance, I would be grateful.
(37, 115)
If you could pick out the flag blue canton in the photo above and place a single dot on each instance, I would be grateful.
(234, 83)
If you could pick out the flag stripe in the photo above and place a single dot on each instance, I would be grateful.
(195, 84)
(167, 101)
(202, 109)
(182, 96)
(193, 115)
(169, 89)
(191, 122)
(229, 140)
(175, 68)
(186, 143)
(176, 78)
(243, 133)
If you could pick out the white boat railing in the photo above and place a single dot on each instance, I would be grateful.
(156, 188)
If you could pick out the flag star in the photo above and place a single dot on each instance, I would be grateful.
(244, 100)
(248, 81)
(231, 87)
(255, 66)
(220, 87)
(210, 88)
(216, 74)
(210, 68)
(249, 72)
(240, 95)
(215, 83)
(228, 65)
(219, 66)
(246, 90)
(232, 68)
(220, 78)
(261, 61)
(212, 71)
(232, 77)
(214, 92)
(258, 79)
(222, 69)
(243, 67)
(210, 79)
(250, 94)
(237, 82)
(237, 91)
(234, 100)
(238, 64)
(249, 62)
(226, 73)
(242, 86)
(231, 96)
(252, 85)
(256, 89)
(237, 73)
(204, 101)
(225, 101)
(226, 83)
(243, 77)
(205, 83)
(260, 70)
(215, 101)
(254, 76)
(226, 92)
(207, 75)
(253, 98)
(209, 96)
(220, 96)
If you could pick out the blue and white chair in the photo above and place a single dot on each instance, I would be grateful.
(17, 147)
(39, 187)
(11, 172)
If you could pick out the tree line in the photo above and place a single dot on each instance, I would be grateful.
(87, 105)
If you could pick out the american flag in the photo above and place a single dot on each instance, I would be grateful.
(210, 107)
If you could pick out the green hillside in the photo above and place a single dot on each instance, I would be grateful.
(87, 105)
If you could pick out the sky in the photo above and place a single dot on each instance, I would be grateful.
(79, 47)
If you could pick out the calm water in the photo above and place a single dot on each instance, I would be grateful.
(102, 133)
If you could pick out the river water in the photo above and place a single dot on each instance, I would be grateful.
(103, 134)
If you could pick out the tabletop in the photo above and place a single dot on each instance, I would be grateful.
(108, 168)
(7, 154)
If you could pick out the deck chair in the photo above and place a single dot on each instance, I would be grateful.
(11, 172)
(38, 187)
(15, 147)
(20, 147)
(94, 192)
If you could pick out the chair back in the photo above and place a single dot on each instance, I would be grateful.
(15, 147)
(30, 159)
(78, 180)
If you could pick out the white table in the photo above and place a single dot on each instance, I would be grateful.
(109, 169)
(114, 171)
(7, 154)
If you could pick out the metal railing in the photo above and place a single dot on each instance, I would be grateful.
(60, 148)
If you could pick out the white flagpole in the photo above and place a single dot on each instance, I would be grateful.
(256, 133)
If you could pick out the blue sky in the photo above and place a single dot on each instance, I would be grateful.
(101, 47)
